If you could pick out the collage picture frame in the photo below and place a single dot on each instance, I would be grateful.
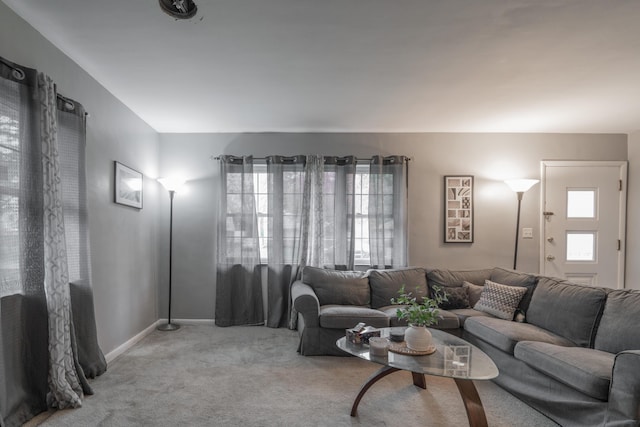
(458, 205)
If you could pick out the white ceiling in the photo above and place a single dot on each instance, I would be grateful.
(360, 65)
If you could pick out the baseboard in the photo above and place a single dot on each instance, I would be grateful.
(112, 355)
(190, 321)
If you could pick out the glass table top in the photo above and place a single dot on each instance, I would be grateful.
(453, 358)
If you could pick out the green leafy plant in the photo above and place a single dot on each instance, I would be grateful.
(416, 313)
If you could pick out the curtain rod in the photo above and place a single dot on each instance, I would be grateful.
(213, 157)
(19, 74)
(71, 103)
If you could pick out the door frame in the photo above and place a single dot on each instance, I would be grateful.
(622, 207)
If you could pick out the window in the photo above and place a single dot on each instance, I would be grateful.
(581, 246)
(581, 204)
(355, 214)
(361, 212)
(9, 199)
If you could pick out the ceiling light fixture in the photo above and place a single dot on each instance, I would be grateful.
(179, 9)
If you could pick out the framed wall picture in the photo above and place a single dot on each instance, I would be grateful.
(458, 209)
(127, 186)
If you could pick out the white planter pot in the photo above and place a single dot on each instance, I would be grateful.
(418, 338)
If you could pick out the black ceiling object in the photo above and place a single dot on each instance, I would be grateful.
(179, 9)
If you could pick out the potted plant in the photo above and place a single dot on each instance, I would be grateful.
(419, 315)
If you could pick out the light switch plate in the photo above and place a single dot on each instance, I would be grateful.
(527, 233)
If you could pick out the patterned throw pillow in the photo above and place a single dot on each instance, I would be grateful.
(456, 298)
(500, 300)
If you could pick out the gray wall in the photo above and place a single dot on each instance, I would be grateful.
(123, 240)
(633, 214)
(127, 263)
(489, 157)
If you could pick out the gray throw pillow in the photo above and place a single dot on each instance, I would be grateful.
(456, 298)
(500, 300)
(473, 291)
(338, 287)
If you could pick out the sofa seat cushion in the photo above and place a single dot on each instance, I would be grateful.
(567, 309)
(505, 334)
(338, 287)
(465, 313)
(348, 316)
(584, 369)
(391, 312)
(446, 319)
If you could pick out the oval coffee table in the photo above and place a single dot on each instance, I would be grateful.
(454, 358)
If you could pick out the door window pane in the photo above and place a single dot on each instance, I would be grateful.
(581, 204)
(581, 246)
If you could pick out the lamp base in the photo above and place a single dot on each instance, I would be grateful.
(168, 327)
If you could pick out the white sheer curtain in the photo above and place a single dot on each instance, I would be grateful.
(42, 190)
(287, 229)
(239, 274)
(388, 211)
(305, 207)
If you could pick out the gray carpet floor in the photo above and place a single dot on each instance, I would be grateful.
(252, 376)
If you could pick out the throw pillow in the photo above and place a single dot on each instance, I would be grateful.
(500, 300)
(473, 291)
(456, 298)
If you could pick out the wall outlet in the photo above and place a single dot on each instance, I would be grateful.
(527, 233)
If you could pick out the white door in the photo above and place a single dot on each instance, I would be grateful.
(583, 221)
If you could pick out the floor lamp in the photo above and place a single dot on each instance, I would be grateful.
(172, 185)
(519, 186)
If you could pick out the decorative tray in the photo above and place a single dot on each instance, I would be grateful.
(401, 348)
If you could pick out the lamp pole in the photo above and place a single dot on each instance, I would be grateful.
(515, 252)
(171, 186)
(519, 186)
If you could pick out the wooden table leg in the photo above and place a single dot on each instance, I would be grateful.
(418, 380)
(472, 403)
(382, 372)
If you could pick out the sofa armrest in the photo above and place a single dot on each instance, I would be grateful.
(624, 394)
(305, 302)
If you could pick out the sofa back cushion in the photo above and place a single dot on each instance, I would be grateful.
(338, 287)
(442, 278)
(385, 284)
(514, 278)
(618, 330)
(567, 309)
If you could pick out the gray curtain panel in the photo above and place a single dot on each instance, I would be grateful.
(238, 271)
(41, 188)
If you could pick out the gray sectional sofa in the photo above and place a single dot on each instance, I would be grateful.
(573, 353)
